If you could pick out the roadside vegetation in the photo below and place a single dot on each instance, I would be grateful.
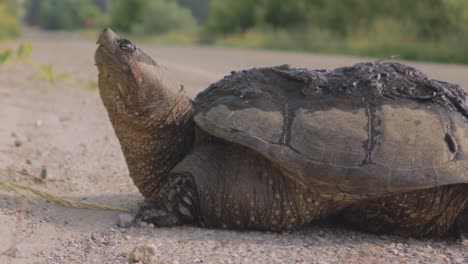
(434, 30)
(428, 30)
(9, 19)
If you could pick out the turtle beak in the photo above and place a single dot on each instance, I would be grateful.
(108, 39)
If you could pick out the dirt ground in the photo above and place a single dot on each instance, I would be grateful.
(65, 130)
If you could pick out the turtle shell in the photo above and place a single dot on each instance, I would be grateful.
(371, 128)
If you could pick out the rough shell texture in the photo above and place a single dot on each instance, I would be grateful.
(370, 128)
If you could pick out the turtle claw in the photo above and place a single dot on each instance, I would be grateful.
(152, 212)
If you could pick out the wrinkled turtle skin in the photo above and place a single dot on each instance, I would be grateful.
(377, 145)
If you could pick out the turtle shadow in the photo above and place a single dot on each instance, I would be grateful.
(324, 234)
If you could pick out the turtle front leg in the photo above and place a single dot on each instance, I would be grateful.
(174, 205)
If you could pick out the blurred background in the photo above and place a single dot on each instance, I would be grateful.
(427, 30)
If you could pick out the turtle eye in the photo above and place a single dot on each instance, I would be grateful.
(126, 45)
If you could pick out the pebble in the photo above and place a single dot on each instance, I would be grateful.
(18, 142)
(15, 253)
(43, 173)
(125, 220)
(144, 253)
(51, 172)
(143, 224)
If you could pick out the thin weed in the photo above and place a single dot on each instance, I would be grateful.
(22, 190)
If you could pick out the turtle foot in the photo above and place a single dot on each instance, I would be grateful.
(152, 212)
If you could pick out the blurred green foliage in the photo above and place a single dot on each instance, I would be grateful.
(9, 19)
(49, 73)
(64, 14)
(232, 16)
(6, 56)
(435, 30)
(150, 16)
(24, 51)
(417, 29)
(200, 8)
(426, 18)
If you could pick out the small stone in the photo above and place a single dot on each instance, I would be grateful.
(51, 172)
(150, 225)
(143, 224)
(394, 251)
(15, 253)
(125, 220)
(28, 162)
(94, 237)
(43, 173)
(18, 142)
(321, 233)
(38, 123)
(144, 253)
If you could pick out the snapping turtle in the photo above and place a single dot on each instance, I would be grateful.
(377, 144)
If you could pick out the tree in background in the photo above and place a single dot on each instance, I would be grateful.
(279, 13)
(232, 16)
(428, 19)
(150, 16)
(9, 19)
(127, 13)
(416, 29)
(200, 8)
(63, 14)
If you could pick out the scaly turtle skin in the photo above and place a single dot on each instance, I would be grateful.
(377, 144)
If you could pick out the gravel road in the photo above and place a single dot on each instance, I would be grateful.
(61, 132)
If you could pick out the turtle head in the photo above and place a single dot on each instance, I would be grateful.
(151, 116)
(132, 85)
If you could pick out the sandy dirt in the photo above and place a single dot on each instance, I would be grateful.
(65, 130)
